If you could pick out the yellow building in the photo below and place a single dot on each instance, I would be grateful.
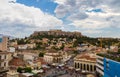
(85, 62)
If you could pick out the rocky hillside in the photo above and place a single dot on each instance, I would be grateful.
(57, 33)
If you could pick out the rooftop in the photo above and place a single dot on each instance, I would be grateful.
(16, 62)
(40, 60)
(86, 57)
(27, 74)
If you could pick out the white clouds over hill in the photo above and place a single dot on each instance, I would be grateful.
(88, 16)
(19, 19)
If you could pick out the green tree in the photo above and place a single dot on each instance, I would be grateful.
(118, 51)
(21, 41)
(41, 54)
(19, 69)
(75, 44)
(62, 47)
(28, 69)
(75, 52)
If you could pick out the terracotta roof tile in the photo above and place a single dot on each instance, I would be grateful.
(17, 62)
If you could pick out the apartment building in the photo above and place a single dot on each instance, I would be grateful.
(106, 67)
(5, 57)
(4, 43)
(100, 66)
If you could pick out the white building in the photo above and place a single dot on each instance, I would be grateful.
(22, 46)
(85, 62)
(100, 65)
(5, 57)
(28, 55)
(114, 48)
(11, 49)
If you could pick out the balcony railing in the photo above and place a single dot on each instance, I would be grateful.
(99, 61)
(100, 71)
(97, 65)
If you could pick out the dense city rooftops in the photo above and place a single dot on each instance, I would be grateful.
(111, 55)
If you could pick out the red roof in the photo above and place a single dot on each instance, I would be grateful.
(17, 62)
(40, 60)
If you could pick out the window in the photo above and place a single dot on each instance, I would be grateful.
(75, 65)
(4, 63)
(91, 68)
(5, 57)
(87, 67)
(0, 57)
(0, 64)
(94, 68)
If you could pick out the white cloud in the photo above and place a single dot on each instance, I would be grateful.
(60, 1)
(73, 6)
(75, 11)
(98, 21)
(13, 15)
(62, 10)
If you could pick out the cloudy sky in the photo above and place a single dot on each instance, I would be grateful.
(94, 18)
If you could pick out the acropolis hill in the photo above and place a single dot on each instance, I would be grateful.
(58, 33)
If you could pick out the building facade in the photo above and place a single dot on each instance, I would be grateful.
(100, 66)
(4, 43)
(85, 62)
(5, 57)
(53, 57)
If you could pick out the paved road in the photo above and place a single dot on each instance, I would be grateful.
(63, 72)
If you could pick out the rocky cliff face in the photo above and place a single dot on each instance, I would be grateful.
(57, 33)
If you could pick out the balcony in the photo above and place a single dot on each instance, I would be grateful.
(101, 67)
(99, 61)
(100, 71)
(100, 57)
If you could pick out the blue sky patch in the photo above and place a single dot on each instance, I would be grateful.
(95, 10)
(45, 5)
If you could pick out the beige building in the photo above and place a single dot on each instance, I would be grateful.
(5, 57)
(85, 62)
(31, 46)
(4, 44)
(14, 43)
(35, 64)
(26, 46)
(53, 57)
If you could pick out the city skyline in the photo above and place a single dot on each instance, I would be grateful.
(92, 18)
